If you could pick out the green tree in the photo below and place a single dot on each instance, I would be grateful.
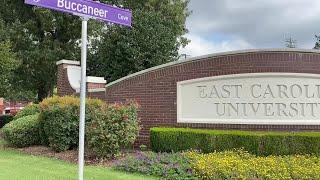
(156, 35)
(8, 63)
(40, 38)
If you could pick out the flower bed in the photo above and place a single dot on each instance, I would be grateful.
(242, 165)
(236, 164)
(166, 165)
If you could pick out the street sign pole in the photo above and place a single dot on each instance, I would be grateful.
(83, 86)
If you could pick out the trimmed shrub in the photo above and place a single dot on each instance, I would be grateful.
(22, 132)
(258, 143)
(5, 119)
(30, 109)
(242, 165)
(113, 128)
(166, 165)
(59, 120)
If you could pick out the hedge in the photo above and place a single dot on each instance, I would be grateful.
(22, 132)
(59, 120)
(258, 143)
(30, 109)
(113, 128)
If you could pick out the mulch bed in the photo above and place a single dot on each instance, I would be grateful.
(69, 156)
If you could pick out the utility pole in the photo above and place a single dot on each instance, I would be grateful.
(184, 55)
(290, 42)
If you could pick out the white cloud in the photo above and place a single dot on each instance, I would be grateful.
(200, 46)
(262, 24)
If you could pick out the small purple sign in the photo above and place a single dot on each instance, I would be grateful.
(87, 8)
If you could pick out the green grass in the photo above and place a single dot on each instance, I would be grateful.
(15, 166)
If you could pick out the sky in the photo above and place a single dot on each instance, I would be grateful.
(227, 25)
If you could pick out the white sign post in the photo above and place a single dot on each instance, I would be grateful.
(83, 86)
(86, 9)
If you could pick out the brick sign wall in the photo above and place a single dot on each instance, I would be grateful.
(155, 89)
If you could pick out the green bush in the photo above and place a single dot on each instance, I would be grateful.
(242, 165)
(259, 143)
(5, 119)
(59, 120)
(22, 132)
(30, 109)
(113, 128)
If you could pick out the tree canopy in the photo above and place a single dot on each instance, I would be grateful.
(8, 63)
(40, 37)
(155, 38)
(317, 44)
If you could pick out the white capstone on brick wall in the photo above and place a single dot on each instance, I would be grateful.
(256, 98)
(69, 62)
(94, 79)
(74, 76)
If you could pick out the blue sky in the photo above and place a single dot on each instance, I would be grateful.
(226, 25)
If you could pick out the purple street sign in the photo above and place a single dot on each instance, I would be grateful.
(87, 8)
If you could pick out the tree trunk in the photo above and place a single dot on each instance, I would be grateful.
(42, 94)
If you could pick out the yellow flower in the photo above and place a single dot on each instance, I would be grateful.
(242, 165)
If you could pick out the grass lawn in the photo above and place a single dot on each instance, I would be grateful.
(15, 166)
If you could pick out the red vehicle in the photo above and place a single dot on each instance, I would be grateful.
(11, 108)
